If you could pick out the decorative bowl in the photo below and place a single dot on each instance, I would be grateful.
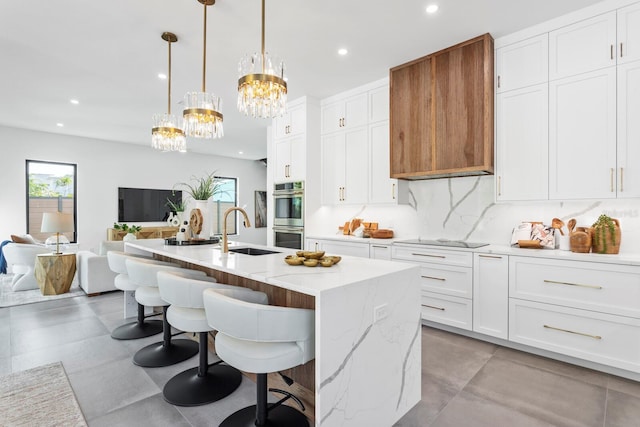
(310, 262)
(326, 262)
(314, 255)
(293, 260)
(335, 258)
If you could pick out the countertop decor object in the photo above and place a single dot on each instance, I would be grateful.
(580, 240)
(606, 235)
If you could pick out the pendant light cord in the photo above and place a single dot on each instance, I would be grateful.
(204, 49)
(263, 36)
(169, 84)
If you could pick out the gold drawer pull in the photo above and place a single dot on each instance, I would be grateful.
(433, 306)
(573, 284)
(434, 278)
(490, 256)
(595, 337)
(432, 256)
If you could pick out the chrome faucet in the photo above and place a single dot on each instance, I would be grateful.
(225, 239)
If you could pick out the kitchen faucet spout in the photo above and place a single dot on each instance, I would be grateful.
(247, 223)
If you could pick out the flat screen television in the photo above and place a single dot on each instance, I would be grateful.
(145, 204)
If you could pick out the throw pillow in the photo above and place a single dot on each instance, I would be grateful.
(27, 238)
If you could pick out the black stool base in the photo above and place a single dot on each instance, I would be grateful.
(188, 389)
(158, 355)
(282, 416)
(135, 330)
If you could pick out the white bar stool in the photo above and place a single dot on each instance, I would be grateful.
(166, 352)
(261, 339)
(140, 328)
(204, 383)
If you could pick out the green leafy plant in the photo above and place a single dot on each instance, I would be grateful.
(176, 207)
(133, 229)
(201, 188)
(603, 225)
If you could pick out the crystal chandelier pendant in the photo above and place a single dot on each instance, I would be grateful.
(166, 134)
(201, 116)
(262, 86)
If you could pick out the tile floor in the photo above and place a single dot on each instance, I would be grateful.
(465, 382)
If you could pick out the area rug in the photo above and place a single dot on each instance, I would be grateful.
(10, 298)
(40, 396)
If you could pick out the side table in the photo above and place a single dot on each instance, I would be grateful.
(54, 272)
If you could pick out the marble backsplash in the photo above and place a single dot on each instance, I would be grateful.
(465, 209)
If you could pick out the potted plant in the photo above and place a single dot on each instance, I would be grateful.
(177, 210)
(201, 190)
(606, 235)
(130, 231)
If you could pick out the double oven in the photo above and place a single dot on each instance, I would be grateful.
(288, 221)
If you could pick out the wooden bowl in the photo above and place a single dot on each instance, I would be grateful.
(293, 260)
(310, 262)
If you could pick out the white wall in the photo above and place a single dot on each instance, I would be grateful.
(464, 208)
(102, 167)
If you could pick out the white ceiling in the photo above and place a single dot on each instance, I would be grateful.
(108, 55)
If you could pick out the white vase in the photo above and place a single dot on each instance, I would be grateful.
(129, 237)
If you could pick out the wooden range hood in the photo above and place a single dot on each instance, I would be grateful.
(441, 109)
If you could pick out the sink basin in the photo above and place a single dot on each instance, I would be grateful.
(253, 251)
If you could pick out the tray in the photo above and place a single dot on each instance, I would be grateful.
(171, 241)
(529, 244)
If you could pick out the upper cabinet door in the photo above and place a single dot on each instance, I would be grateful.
(345, 114)
(629, 130)
(522, 144)
(379, 104)
(522, 64)
(629, 33)
(582, 136)
(291, 123)
(582, 47)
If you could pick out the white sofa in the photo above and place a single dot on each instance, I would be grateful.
(21, 260)
(93, 269)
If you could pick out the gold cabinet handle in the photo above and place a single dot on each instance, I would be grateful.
(499, 186)
(498, 82)
(621, 50)
(573, 284)
(490, 256)
(611, 51)
(393, 191)
(595, 337)
(434, 307)
(428, 255)
(621, 180)
(611, 179)
(340, 194)
(434, 278)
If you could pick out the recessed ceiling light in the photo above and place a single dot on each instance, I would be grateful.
(162, 76)
(74, 101)
(342, 51)
(432, 8)
(60, 125)
(240, 152)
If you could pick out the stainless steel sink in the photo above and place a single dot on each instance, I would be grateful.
(253, 251)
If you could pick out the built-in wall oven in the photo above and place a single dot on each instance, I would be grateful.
(288, 221)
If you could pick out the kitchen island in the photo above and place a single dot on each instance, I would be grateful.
(367, 369)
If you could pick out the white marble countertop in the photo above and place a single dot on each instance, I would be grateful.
(353, 239)
(273, 270)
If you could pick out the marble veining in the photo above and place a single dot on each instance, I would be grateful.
(346, 359)
(406, 360)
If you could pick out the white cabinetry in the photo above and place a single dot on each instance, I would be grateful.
(522, 64)
(522, 147)
(291, 123)
(447, 283)
(344, 160)
(585, 46)
(335, 247)
(629, 33)
(582, 136)
(290, 159)
(491, 295)
(379, 251)
(629, 129)
(345, 113)
(588, 310)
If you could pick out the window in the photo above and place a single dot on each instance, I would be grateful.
(225, 198)
(51, 187)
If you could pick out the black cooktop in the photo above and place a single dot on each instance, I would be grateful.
(443, 242)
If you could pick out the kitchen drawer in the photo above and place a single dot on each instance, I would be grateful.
(607, 288)
(449, 280)
(448, 310)
(438, 256)
(598, 337)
